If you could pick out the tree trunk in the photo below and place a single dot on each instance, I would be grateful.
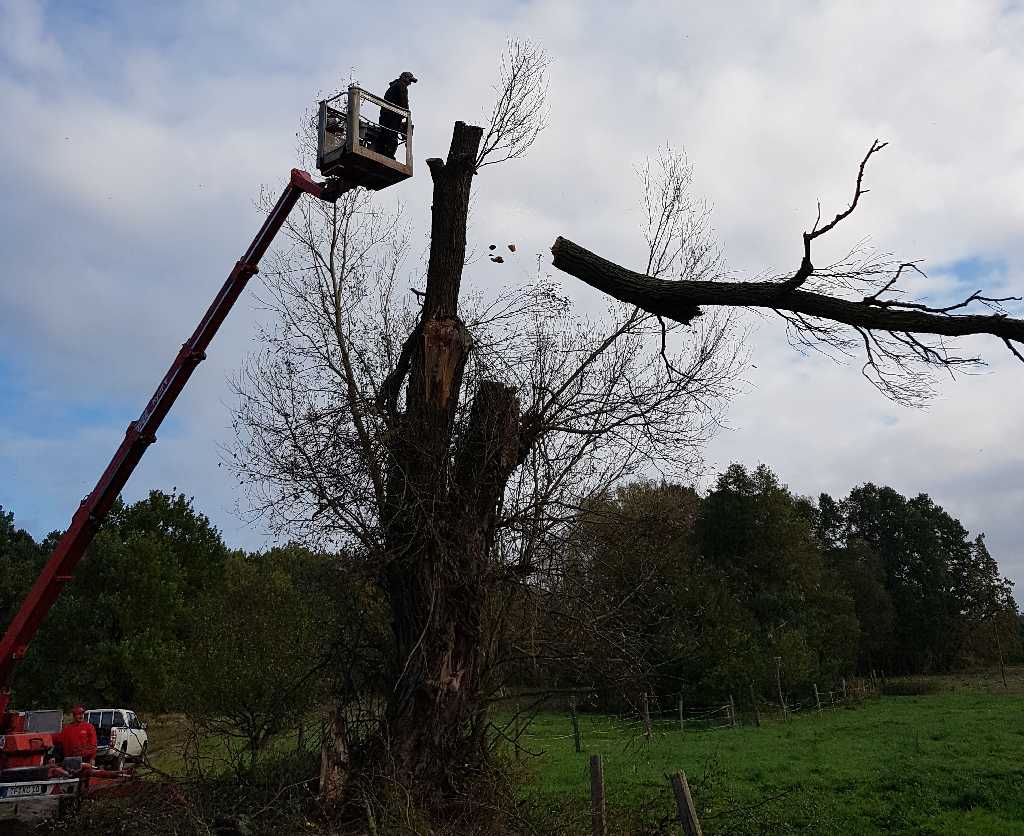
(334, 759)
(442, 496)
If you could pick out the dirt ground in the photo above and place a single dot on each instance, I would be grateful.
(29, 814)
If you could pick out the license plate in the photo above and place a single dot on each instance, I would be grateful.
(27, 791)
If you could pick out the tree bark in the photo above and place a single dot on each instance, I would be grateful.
(442, 496)
(334, 759)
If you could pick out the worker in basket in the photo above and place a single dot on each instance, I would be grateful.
(393, 126)
(78, 738)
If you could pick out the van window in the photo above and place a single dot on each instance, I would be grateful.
(118, 719)
(106, 719)
(133, 721)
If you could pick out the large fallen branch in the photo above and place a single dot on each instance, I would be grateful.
(900, 338)
(681, 300)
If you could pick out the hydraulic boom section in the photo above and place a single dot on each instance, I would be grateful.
(141, 433)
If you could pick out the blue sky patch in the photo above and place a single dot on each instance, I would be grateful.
(974, 268)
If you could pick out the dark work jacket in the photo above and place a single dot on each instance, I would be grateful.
(398, 95)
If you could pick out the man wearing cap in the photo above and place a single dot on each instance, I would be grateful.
(78, 738)
(394, 125)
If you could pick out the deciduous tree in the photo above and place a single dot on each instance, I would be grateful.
(453, 436)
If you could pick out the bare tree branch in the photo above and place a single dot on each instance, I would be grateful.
(520, 110)
(806, 267)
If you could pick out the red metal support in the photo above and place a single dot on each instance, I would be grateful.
(139, 435)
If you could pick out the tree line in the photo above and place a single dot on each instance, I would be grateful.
(163, 616)
(657, 587)
(661, 589)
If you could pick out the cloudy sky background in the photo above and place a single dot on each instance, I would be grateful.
(137, 136)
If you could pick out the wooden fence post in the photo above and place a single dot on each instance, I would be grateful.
(844, 689)
(753, 702)
(732, 712)
(575, 723)
(515, 730)
(817, 697)
(778, 685)
(998, 651)
(645, 715)
(598, 827)
(682, 721)
(684, 804)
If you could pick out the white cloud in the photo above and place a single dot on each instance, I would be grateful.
(26, 44)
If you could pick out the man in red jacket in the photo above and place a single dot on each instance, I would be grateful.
(78, 738)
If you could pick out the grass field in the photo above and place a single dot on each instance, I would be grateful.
(950, 763)
(173, 742)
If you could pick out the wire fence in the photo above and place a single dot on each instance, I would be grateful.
(647, 719)
(651, 716)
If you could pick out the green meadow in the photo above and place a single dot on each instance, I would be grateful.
(950, 762)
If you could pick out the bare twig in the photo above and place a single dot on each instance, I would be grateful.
(520, 109)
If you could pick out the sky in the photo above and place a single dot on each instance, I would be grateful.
(138, 134)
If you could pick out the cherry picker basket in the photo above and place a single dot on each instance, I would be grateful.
(350, 143)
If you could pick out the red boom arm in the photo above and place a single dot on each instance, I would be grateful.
(140, 435)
